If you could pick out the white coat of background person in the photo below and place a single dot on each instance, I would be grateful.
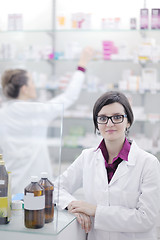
(24, 124)
(121, 182)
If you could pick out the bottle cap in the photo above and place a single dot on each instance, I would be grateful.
(44, 175)
(34, 178)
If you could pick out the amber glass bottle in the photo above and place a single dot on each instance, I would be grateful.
(3, 192)
(34, 204)
(49, 188)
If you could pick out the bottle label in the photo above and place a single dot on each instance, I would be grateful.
(3, 207)
(34, 203)
(2, 182)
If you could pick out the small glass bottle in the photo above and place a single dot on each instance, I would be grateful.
(3, 192)
(49, 188)
(34, 204)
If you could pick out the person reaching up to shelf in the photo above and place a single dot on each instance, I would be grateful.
(18, 83)
(24, 123)
(121, 182)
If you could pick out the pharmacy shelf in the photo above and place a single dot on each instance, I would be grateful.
(36, 60)
(27, 31)
(140, 117)
(131, 59)
(107, 30)
(91, 140)
(78, 30)
(61, 59)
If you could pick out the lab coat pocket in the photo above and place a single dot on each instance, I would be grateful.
(129, 199)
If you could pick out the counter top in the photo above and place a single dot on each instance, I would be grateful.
(61, 220)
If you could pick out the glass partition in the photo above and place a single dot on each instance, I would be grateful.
(31, 140)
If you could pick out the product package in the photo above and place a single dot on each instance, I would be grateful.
(149, 78)
(108, 49)
(133, 23)
(144, 18)
(155, 18)
(5, 193)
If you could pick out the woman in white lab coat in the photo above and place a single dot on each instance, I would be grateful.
(24, 124)
(121, 182)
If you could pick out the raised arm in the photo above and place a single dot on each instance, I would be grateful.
(71, 94)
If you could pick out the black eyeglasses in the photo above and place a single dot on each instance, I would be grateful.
(115, 119)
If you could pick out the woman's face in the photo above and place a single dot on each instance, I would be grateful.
(111, 131)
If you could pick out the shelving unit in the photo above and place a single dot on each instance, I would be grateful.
(32, 46)
(147, 118)
(101, 74)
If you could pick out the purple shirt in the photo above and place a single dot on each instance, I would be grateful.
(123, 155)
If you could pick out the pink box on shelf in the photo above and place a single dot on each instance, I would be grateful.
(108, 49)
(107, 43)
(106, 56)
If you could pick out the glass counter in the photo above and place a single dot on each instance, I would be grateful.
(31, 139)
(61, 220)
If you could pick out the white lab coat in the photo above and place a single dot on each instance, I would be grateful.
(23, 131)
(127, 207)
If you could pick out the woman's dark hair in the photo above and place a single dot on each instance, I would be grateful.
(112, 97)
(12, 81)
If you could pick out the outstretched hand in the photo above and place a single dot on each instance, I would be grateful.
(86, 55)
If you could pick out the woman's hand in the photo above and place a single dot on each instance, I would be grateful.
(86, 55)
(84, 220)
(82, 207)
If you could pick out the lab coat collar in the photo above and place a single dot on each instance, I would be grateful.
(132, 156)
(123, 167)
